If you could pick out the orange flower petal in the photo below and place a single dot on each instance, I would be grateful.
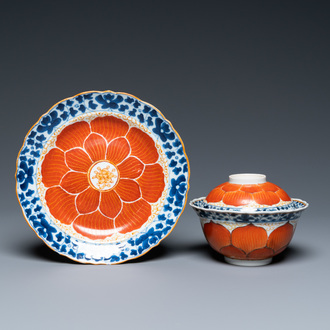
(133, 216)
(251, 188)
(74, 182)
(73, 136)
(249, 238)
(266, 197)
(110, 204)
(61, 205)
(237, 198)
(142, 145)
(128, 190)
(231, 187)
(130, 168)
(118, 150)
(215, 195)
(110, 127)
(78, 160)
(259, 254)
(152, 183)
(268, 186)
(233, 252)
(53, 167)
(96, 146)
(283, 195)
(88, 201)
(217, 235)
(280, 237)
(94, 225)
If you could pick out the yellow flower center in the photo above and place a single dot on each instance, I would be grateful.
(103, 175)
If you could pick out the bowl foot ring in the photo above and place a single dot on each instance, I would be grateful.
(248, 263)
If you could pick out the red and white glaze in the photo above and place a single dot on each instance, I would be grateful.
(102, 178)
(247, 241)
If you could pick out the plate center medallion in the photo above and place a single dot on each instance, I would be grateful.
(103, 175)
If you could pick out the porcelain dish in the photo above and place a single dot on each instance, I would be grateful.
(102, 177)
(247, 219)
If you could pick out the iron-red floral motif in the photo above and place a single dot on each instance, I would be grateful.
(249, 242)
(102, 177)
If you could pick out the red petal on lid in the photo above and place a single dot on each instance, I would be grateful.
(53, 167)
(110, 204)
(130, 168)
(88, 201)
(110, 127)
(283, 195)
(73, 136)
(78, 160)
(231, 186)
(133, 216)
(61, 205)
(94, 226)
(96, 146)
(268, 186)
(266, 197)
(118, 150)
(152, 183)
(142, 146)
(249, 238)
(128, 190)
(215, 195)
(280, 237)
(237, 198)
(74, 182)
(251, 188)
(217, 235)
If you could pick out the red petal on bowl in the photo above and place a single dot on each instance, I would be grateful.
(280, 237)
(94, 225)
(78, 160)
(110, 127)
(249, 238)
(266, 197)
(233, 252)
(283, 195)
(88, 201)
(96, 146)
(152, 183)
(61, 205)
(260, 254)
(231, 186)
(118, 150)
(215, 195)
(53, 167)
(237, 198)
(217, 235)
(110, 204)
(73, 136)
(268, 186)
(128, 190)
(251, 188)
(133, 216)
(74, 182)
(142, 146)
(130, 168)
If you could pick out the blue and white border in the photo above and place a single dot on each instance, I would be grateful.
(114, 103)
(289, 212)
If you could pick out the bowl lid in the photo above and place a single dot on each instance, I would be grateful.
(248, 190)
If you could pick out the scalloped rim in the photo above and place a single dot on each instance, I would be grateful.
(91, 261)
(232, 210)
